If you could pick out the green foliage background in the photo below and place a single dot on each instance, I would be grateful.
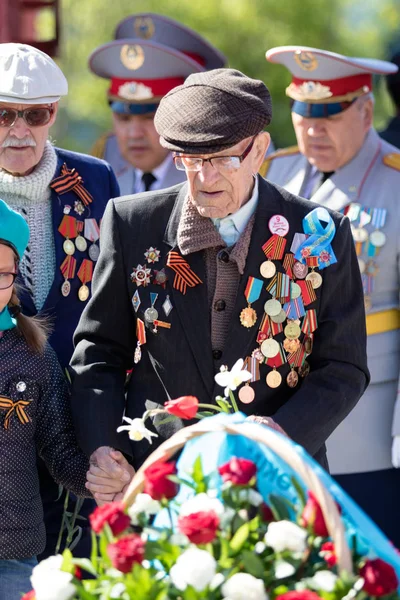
(242, 29)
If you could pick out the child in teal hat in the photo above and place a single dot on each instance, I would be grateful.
(34, 419)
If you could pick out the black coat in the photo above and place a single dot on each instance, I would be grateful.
(179, 361)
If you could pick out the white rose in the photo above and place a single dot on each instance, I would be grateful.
(143, 504)
(50, 582)
(201, 503)
(243, 586)
(285, 535)
(194, 567)
(323, 580)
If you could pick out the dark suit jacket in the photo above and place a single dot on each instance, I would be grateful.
(179, 361)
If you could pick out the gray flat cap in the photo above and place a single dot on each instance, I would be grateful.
(212, 111)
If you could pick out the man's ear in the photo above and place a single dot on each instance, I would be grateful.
(368, 109)
(261, 144)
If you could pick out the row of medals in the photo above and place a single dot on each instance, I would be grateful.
(269, 348)
(69, 248)
(378, 239)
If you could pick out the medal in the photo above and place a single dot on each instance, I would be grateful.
(361, 264)
(292, 331)
(377, 238)
(280, 318)
(79, 208)
(274, 379)
(246, 394)
(248, 316)
(163, 324)
(288, 263)
(274, 247)
(83, 293)
(308, 345)
(278, 225)
(141, 275)
(69, 229)
(69, 247)
(160, 277)
(66, 288)
(66, 209)
(267, 269)
(292, 379)
(85, 274)
(67, 268)
(141, 340)
(295, 290)
(291, 345)
(151, 314)
(167, 306)
(92, 233)
(270, 348)
(258, 355)
(315, 278)
(304, 369)
(359, 234)
(300, 270)
(152, 255)
(272, 307)
(136, 301)
(81, 243)
(94, 252)
(310, 323)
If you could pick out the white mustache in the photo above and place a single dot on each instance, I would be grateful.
(16, 143)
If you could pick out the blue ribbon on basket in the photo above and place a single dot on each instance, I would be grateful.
(319, 238)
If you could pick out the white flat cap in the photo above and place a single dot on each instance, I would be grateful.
(29, 76)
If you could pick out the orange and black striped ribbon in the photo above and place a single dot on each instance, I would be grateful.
(70, 180)
(307, 291)
(184, 276)
(288, 263)
(274, 247)
(297, 358)
(19, 408)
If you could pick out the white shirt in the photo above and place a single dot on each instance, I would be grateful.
(159, 173)
(232, 226)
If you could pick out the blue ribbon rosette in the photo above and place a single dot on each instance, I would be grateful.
(320, 228)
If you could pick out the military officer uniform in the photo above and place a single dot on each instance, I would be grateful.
(391, 133)
(171, 51)
(364, 189)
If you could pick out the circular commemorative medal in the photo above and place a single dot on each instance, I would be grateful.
(292, 331)
(295, 290)
(361, 264)
(300, 270)
(83, 293)
(81, 243)
(281, 318)
(315, 278)
(377, 238)
(278, 225)
(94, 252)
(246, 394)
(304, 369)
(359, 234)
(69, 247)
(248, 317)
(267, 269)
(272, 307)
(292, 379)
(308, 345)
(291, 345)
(66, 288)
(151, 314)
(270, 348)
(274, 379)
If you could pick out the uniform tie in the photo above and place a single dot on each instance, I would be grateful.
(322, 177)
(148, 179)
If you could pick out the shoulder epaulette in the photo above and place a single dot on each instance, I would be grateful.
(277, 154)
(99, 147)
(392, 160)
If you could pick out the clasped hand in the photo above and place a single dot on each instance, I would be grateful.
(109, 475)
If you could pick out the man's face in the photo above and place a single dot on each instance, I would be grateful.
(217, 193)
(331, 143)
(138, 140)
(21, 146)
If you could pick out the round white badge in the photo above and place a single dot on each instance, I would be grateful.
(377, 238)
(270, 348)
(279, 225)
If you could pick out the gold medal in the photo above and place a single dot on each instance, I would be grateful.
(304, 369)
(246, 394)
(69, 247)
(272, 307)
(66, 288)
(292, 379)
(274, 379)
(315, 278)
(81, 243)
(270, 348)
(248, 317)
(267, 269)
(291, 345)
(292, 330)
(83, 293)
(308, 345)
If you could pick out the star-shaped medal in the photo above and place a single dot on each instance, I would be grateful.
(160, 277)
(152, 255)
(78, 207)
(141, 275)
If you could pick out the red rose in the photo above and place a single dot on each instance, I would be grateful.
(312, 516)
(126, 551)
(157, 484)
(379, 578)
(185, 407)
(239, 471)
(29, 595)
(78, 573)
(200, 527)
(111, 513)
(299, 595)
(328, 553)
(266, 513)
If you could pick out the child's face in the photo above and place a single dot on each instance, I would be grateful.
(7, 266)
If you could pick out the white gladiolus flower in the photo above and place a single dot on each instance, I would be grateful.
(251, 496)
(283, 569)
(137, 430)
(201, 503)
(230, 380)
(243, 586)
(285, 535)
(194, 567)
(50, 582)
(143, 504)
(117, 590)
(323, 580)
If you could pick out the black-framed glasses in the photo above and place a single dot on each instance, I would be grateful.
(7, 280)
(33, 117)
(228, 163)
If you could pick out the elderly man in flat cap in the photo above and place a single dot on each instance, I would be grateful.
(341, 163)
(203, 274)
(62, 196)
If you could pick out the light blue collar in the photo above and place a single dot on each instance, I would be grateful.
(6, 320)
(232, 226)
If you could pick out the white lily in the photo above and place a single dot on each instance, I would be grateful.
(230, 380)
(137, 430)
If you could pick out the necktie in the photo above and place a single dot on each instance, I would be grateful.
(323, 176)
(148, 179)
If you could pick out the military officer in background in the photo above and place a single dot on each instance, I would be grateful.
(341, 163)
(151, 54)
(392, 132)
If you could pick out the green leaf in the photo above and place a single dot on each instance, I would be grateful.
(280, 590)
(67, 564)
(300, 491)
(85, 595)
(252, 564)
(223, 404)
(197, 471)
(94, 551)
(240, 538)
(85, 564)
(279, 508)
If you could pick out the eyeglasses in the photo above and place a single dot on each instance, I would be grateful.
(33, 117)
(225, 163)
(7, 280)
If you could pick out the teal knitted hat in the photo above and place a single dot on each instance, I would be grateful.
(13, 228)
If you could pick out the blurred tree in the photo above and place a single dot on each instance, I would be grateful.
(242, 29)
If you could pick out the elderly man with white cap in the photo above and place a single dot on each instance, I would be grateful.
(62, 196)
(342, 163)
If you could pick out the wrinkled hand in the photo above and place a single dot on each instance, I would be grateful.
(396, 452)
(267, 421)
(109, 475)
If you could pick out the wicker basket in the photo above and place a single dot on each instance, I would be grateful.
(281, 447)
